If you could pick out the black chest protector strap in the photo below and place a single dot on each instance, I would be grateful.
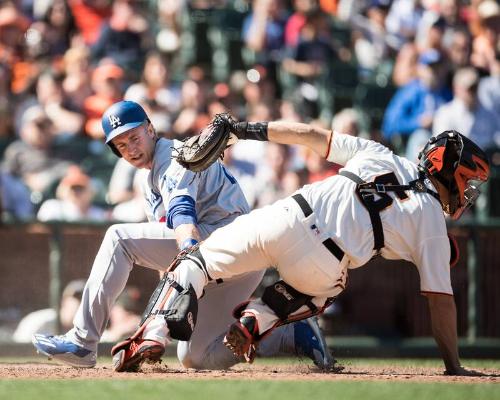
(366, 192)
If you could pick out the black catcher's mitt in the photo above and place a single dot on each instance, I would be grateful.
(199, 152)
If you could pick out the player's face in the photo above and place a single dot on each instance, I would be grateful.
(137, 146)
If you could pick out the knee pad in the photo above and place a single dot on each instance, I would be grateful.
(284, 300)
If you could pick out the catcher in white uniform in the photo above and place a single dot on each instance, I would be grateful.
(183, 208)
(379, 204)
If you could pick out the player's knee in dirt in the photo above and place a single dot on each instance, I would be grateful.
(186, 357)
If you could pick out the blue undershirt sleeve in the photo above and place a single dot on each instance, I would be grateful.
(181, 210)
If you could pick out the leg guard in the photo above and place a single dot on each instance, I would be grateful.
(180, 316)
(173, 307)
(178, 305)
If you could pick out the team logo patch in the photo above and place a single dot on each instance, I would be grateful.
(114, 121)
(315, 229)
(282, 290)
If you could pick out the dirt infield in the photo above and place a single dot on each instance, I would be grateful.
(46, 370)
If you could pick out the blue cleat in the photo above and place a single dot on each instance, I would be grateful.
(309, 341)
(62, 349)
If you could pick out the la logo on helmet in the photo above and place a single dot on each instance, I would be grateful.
(114, 121)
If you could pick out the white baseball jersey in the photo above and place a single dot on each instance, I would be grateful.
(216, 193)
(414, 225)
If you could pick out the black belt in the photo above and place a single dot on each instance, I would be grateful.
(330, 245)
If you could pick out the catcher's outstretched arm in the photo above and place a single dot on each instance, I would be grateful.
(444, 328)
(317, 139)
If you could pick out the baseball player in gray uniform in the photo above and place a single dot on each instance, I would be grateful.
(379, 204)
(183, 208)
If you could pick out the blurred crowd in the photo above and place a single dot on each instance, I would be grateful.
(394, 71)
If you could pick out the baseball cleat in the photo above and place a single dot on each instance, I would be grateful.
(131, 357)
(310, 342)
(62, 349)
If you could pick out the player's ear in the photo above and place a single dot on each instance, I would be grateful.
(151, 130)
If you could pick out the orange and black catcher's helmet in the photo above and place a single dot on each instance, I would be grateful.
(457, 163)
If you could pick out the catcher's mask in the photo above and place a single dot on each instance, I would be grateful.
(457, 163)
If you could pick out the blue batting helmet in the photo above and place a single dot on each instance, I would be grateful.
(120, 118)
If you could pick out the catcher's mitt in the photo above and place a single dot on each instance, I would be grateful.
(199, 152)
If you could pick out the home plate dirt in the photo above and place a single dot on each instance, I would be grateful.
(49, 370)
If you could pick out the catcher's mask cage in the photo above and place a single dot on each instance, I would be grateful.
(459, 165)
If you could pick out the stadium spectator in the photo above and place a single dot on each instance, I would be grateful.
(276, 180)
(124, 317)
(32, 157)
(245, 172)
(156, 93)
(405, 64)
(45, 320)
(309, 62)
(14, 198)
(53, 28)
(403, 20)
(411, 111)
(264, 33)
(489, 87)
(51, 97)
(132, 209)
(90, 16)
(73, 200)
(107, 82)
(317, 168)
(459, 50)
(120, 186)
(191, 118)
(76, 83)
(372, 43)
(122, 38)
(168, 31)
(347, 121)
(485, 44)
(454, 19)
(314, 52)
(297, 21)
(466, 114)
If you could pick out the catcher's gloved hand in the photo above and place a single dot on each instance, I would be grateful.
(242, 338)
(199, 152)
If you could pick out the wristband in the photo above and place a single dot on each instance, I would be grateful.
(252, 131)
(188, 243)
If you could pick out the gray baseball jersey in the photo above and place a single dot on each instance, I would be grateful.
(217, 195)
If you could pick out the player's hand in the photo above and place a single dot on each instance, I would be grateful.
(461, 371)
